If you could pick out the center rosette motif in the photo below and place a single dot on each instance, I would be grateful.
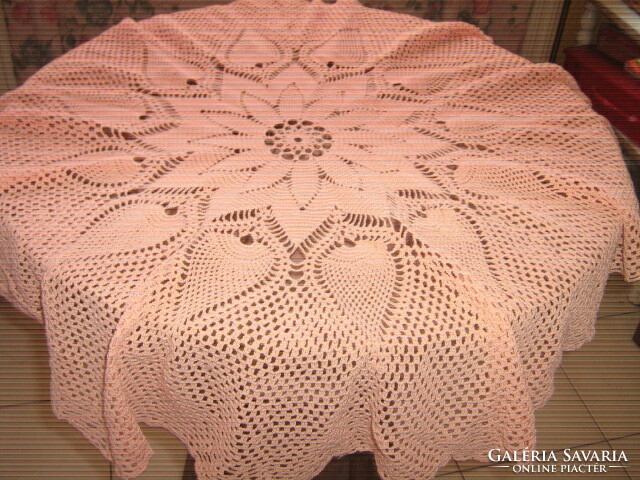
(300, 143)
(298, 139)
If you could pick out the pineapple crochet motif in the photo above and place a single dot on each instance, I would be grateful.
(289, 230)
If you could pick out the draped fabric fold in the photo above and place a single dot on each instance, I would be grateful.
(287, 231)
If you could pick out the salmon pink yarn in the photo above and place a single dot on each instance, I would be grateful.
(292, 230)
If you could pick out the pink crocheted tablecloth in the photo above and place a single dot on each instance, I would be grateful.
(287, 231)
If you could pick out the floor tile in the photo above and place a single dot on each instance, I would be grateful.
(24, 362)
(615, 299)
(336, 469)
(465, 465)
(168, 458)
(565, 421)
(613, 470)
(452, 476)
(631, 447)
(606, 375)
(36, 445)
(450, 467)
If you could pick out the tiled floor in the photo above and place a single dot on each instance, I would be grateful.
(596, 406)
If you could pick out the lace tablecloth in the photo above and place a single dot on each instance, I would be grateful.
(287, 231)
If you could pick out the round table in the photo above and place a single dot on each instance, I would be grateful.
(293, 230)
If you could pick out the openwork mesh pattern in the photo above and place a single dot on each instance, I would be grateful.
(287, 231)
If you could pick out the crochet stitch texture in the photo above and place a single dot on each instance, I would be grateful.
(290, 230)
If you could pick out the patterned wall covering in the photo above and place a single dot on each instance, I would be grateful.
(41, 30)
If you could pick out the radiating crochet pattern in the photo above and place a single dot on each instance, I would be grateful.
(290, 230)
